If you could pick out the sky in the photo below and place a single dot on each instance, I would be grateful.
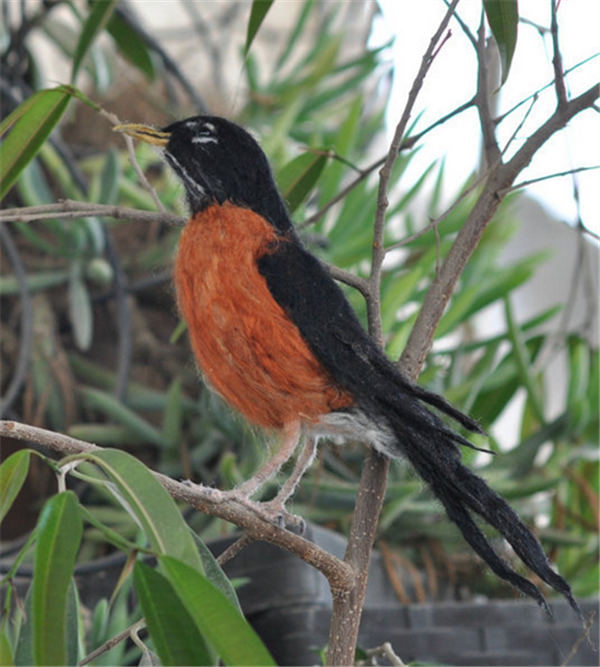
(451, 80)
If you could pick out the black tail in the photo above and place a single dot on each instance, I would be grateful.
(432, 449)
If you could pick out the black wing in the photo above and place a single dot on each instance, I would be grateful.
(304, 289)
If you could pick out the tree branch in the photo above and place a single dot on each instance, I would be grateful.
(70, 209)
(348, 603)
(338, 574)
(499, 179)
(374, 300)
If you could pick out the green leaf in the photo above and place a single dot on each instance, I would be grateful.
(59, 535)
(149, 503)
(503, 18)
(219, 621)
(13, 473)
(6, 654)
(131, 45)
(31, 125)
(257, 16)
(299, 176)
(109, 178)
(176, 637)
(93, 26)
(80, 310)
(110, 406)
(171, 430)
(214, 572)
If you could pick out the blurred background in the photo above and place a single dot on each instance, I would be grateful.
(91, 341)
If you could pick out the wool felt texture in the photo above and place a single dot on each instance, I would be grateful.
(277, 338)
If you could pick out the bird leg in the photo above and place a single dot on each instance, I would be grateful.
(303, 462)
(291, 437)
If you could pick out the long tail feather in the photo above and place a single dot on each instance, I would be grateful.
(431, 447)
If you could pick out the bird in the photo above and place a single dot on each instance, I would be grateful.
(275, 336)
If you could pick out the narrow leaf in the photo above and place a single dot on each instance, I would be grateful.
(110, 406)
(13, 473)
(131, 45)
(93, 26)
(153, 508)
(176, 637)
(219, 621)
(80, 311)
(59, 535)
(257, 16)
(31, 125)
(503, 18)
(299, 176)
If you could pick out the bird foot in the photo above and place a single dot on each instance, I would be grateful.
(272, 511)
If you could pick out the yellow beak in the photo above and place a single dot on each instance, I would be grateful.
(144, 133)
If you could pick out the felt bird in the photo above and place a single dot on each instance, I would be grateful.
(275, 336)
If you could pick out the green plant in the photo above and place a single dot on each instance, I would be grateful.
(78, 281)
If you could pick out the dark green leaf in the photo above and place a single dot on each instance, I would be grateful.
(109, 178)
(59, 534)
(131, 45)
(219, 621)
(93, 26)
(503, 18)
(31, 125)
(299, 176)
(257, 16)
(13, 473)
(176, 637)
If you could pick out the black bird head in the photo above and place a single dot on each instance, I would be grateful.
(217, 162)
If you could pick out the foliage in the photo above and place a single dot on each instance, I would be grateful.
(314, 111)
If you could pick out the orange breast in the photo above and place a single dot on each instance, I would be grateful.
(246, 346)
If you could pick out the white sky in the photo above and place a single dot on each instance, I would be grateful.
(451, 81)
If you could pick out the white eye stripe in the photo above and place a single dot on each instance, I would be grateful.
(204, 139)
(209, 126)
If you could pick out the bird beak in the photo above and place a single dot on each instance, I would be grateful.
(144, 133)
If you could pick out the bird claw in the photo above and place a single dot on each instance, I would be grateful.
(272, 511)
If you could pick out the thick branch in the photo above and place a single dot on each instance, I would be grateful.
(499, 180)
(338, 573)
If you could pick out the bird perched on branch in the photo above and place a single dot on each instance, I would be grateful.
(274, 335)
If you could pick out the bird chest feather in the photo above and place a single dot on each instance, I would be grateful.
(245, 344)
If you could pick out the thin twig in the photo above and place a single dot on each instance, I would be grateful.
(505, 115)
(406, 144)
(519, 127)
(582, 637)
(115, 120)
(378, 254)
(559, 75)
(568, 172)
(71, 209)
(112, 642)
(234, 549)
(384, 651)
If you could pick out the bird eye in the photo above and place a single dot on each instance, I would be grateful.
(205, 134)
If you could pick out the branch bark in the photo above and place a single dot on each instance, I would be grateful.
(203, 499)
